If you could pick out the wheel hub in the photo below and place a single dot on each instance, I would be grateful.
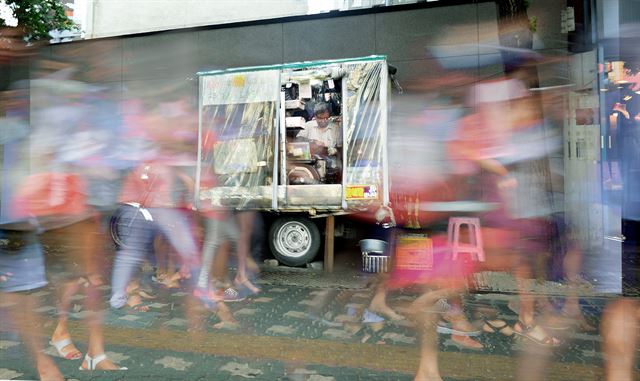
(294, 239)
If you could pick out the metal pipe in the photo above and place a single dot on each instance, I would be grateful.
(345, 144)
(384, 87)
(276, 142)
(196, 195)
(282, 146)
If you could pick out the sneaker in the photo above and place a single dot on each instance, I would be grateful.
(232, 295)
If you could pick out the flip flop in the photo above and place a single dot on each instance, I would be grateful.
(59, 346)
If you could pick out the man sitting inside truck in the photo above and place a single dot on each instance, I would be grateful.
(325, 136)
(322, 130)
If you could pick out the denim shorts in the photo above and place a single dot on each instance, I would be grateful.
(21, 262)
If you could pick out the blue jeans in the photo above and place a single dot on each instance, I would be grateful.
(172, 224)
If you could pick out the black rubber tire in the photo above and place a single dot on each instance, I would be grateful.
(294, 241)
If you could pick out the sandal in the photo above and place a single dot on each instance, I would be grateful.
(70, 355)
(497, 326)
(92, 363)
(447, 328)
(528, 331)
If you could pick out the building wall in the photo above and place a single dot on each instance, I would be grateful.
(415, 40)
(119, 17)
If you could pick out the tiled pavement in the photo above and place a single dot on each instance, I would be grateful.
(277, 338)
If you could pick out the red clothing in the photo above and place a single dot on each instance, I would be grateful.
(209, 180)
(47, 194)
(152, 185)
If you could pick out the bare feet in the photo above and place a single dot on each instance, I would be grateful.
(173, 281)
(226, 325)
(136, 304)
(428, 378)
(384, 309)
(247, 283)
(556, 322)
(132, 287)
(536, 333)
(47, 369)
(161, 276)
(460, 323)
(226, 318)
(225, 314)
(578, 319)
(467, 342)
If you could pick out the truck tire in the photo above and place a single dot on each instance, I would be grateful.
(294, 241)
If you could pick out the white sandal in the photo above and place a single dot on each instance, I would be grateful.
(93, 362)
(59, 346)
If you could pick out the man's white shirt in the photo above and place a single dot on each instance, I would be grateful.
(330, 136)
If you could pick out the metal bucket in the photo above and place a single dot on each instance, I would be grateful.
(373, 246)
(374, 259)
(375, 263)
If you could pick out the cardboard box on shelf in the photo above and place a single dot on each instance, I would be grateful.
(295, 121)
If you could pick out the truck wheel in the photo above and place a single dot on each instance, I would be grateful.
(294, 241)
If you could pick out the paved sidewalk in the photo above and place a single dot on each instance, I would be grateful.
(276, 338)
